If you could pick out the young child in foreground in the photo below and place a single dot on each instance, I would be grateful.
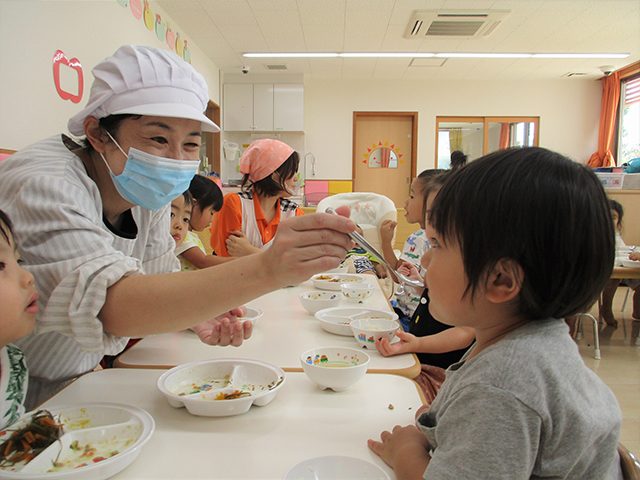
(206, 200)
(521, 403)
(18, 310)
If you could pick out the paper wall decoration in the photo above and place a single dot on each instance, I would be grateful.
(59, 58)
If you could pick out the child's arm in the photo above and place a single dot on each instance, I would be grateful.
(634, 256)
(405, 450)
(449, 340)
(199, 259)
(386, 236)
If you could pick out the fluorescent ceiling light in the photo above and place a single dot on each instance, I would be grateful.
(580, 55)
(429, 55)
(289, 55)
(483, 55)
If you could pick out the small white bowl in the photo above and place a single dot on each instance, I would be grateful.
(329, 281)
(337, 368)
(367, 330)
(626, 262)
(337, 319)
(315, 301)
(357, 292)
(202, 386)
(252, 315)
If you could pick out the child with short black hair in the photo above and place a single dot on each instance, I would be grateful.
(207, 200)
(521, 403)
(18, 308)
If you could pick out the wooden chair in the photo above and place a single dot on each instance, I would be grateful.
(629, 464)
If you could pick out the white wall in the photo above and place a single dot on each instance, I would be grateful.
(32, 31)
(569, 112)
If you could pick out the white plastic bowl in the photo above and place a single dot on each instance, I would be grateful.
(201, 386)
(329, 281)
(315, 301)
(337, 320)
(337, 368)
(252, 315)
(357, 292)
(367, 330)
(626, 262)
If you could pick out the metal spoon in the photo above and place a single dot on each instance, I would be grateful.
(359, 239)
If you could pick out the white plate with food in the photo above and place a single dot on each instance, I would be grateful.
(88, 442)
(335, 466)
(331, 281)
(337, 320)
(625, 262)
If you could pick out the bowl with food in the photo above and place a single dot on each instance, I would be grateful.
(315, 301)
(223, 387)
(337, 368)
(330, 281)
(337, 320)
(357, 292)
(367, 330)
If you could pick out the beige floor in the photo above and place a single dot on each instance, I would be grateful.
(619, 367)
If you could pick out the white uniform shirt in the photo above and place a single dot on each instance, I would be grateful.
(56, 210)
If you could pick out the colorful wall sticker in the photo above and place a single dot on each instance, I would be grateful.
(136, 9)
(59, 58)
(149, 19)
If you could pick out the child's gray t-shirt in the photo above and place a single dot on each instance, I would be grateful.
(526, 407)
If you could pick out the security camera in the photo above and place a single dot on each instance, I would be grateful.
(607, 69)
(246, 69)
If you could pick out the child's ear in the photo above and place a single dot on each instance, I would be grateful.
(505, 281)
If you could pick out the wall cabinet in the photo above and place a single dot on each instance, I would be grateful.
(263, 107)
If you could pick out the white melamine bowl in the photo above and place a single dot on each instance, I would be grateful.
(315, 301)
(337, 368)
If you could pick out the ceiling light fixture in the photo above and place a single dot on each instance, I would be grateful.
(441, 55)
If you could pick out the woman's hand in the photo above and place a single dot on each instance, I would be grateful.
(387, 229)
(407, 344)
(308, 244)
(405, 450)
(238, 244)
(226, 329)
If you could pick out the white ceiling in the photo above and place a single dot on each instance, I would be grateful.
(225, 29)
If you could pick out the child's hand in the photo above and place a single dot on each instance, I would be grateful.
(386, 231)
(238, 244)
(226, 329)
(634, 256)
(405, 450)
(422, 409)
(407, 344)
(410, 270)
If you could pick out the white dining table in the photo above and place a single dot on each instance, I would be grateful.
(301, 422)
(280, 336)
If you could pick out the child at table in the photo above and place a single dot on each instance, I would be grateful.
(363, 261)
(18, 300)
(606, 310)
(437, 346)
(521, 403)
(206, 200)
(407, 299)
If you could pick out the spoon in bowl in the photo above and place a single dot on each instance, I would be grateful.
(359, 239)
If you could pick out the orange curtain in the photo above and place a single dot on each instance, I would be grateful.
(504, 136)
(610, 101)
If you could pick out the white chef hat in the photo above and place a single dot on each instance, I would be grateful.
(145, 81)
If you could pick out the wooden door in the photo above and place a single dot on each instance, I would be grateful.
(384, 152)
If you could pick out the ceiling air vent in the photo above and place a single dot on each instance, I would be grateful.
(278, 66)
(454, 23)
(573, 74)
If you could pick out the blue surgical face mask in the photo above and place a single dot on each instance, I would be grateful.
(151, 181)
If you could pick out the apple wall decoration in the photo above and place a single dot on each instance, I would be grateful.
(59, 58)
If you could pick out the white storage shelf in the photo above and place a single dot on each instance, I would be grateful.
(263, 107)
